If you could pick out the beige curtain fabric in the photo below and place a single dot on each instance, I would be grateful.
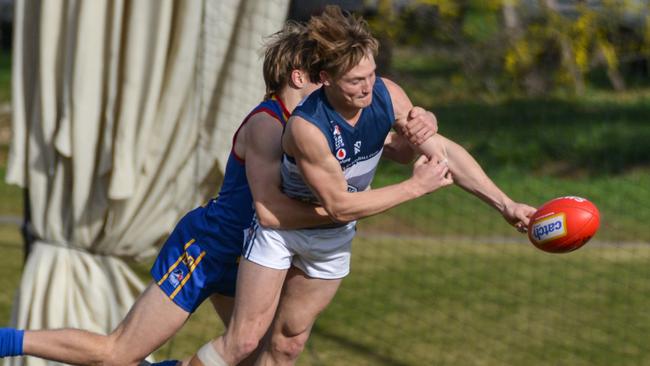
(123, 115)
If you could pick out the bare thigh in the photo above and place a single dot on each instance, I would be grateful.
(303, 298)
(152, 321)
(258, 293)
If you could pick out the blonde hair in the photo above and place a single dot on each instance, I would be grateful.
(341, 41)
(287, 50)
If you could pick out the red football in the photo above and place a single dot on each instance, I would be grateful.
(563, 224)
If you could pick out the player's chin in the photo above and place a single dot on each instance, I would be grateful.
(364, 102)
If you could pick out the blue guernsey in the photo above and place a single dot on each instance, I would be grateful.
(200, 257)
(231, 212)
(357, 148)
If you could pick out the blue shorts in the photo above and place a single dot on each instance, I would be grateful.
(186, 271)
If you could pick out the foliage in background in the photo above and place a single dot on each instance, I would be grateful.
(536, 46)
(487, 297)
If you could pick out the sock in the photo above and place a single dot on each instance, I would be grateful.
(11, 342)
(209, 356)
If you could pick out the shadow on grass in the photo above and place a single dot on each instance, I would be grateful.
(354, 346)
(552, 136)
(601, 133)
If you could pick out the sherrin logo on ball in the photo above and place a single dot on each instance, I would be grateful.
(563, 224)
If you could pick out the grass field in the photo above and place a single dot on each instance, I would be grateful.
(476, 304)
(443, 280)
(5, 76)
(11, 253)
(486, 304)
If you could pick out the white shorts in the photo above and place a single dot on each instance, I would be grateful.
(320, 253)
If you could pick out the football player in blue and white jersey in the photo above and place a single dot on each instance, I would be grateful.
(331, 146)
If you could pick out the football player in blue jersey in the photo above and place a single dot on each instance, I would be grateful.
(331, 146)
(199, 259)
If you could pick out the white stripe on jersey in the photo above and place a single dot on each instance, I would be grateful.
(360, 174)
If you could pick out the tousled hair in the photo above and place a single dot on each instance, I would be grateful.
(286, 50)
(341, 41)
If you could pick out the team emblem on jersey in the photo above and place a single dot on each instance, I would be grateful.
(341, 154)
(337, 130)
(176, 277)
(188, 260)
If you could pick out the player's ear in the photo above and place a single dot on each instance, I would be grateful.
(324, 78)
(298, 78)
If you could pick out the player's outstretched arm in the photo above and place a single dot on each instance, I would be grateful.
(466, 171)
(263, 135)
(307, 144)
(469, 175)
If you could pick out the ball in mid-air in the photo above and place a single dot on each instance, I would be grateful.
(563, 224)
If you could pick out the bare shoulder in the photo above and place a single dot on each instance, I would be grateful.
(299, 126)
(303, 137)
(261, 125)
(401, 102)
(391, 85)
(393, 88)
(262, 132)
(264, 119)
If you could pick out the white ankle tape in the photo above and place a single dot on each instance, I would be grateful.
(209, 356)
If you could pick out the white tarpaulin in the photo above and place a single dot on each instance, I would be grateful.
(123, 112)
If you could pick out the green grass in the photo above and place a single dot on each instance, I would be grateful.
(601, 133)
(11, 260)
(623, 201)
(201, 328)
(595, 146)
(12, 196)
(448, 302)
(444, 280)
(560, 137)
(453, 303)
(5, 76)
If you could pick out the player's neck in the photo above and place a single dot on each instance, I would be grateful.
(290, 97)
(349, 113)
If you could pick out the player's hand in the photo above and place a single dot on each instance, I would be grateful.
(429, 175)
(518, 215)
(420, 125)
